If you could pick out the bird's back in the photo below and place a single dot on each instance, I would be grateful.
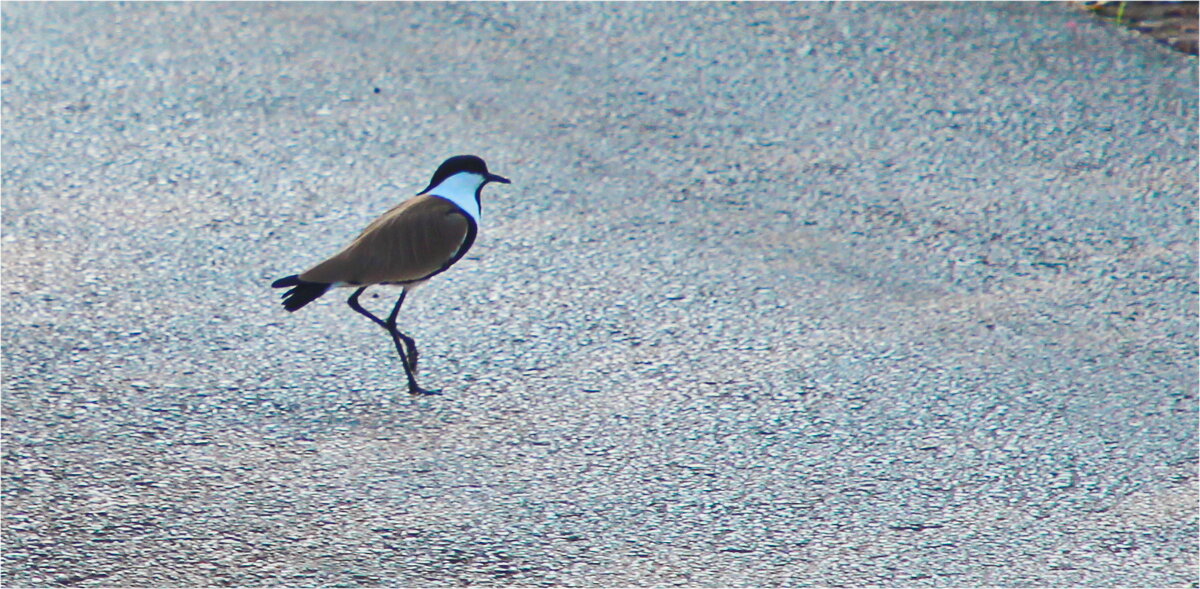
(415, 240)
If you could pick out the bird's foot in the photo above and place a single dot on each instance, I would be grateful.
(416, 390)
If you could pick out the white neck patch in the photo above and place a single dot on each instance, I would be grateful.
(460, 189)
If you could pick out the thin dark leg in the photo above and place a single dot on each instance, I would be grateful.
(354, 304)
(410, 345)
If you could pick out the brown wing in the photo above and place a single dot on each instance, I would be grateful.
(408, 243)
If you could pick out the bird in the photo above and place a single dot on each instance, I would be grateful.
(406, 246)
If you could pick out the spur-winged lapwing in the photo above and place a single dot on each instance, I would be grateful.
(409, 244)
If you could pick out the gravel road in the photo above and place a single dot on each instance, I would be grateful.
(781, 294)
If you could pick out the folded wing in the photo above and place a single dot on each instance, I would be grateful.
(413, 241)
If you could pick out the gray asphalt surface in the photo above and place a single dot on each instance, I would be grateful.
(781, 294)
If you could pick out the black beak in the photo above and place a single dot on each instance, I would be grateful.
(496, 178)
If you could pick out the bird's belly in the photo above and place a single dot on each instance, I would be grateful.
(405, 285)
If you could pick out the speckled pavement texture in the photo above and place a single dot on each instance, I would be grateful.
(781, 294)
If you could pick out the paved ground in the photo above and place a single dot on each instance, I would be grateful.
(781, 294)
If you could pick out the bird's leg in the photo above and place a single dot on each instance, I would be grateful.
(406, 347)
(353, 302)
(410, 345)
(408, 372)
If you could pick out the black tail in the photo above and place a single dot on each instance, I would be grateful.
(303, 293)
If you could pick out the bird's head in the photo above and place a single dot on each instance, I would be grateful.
(460, 169)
